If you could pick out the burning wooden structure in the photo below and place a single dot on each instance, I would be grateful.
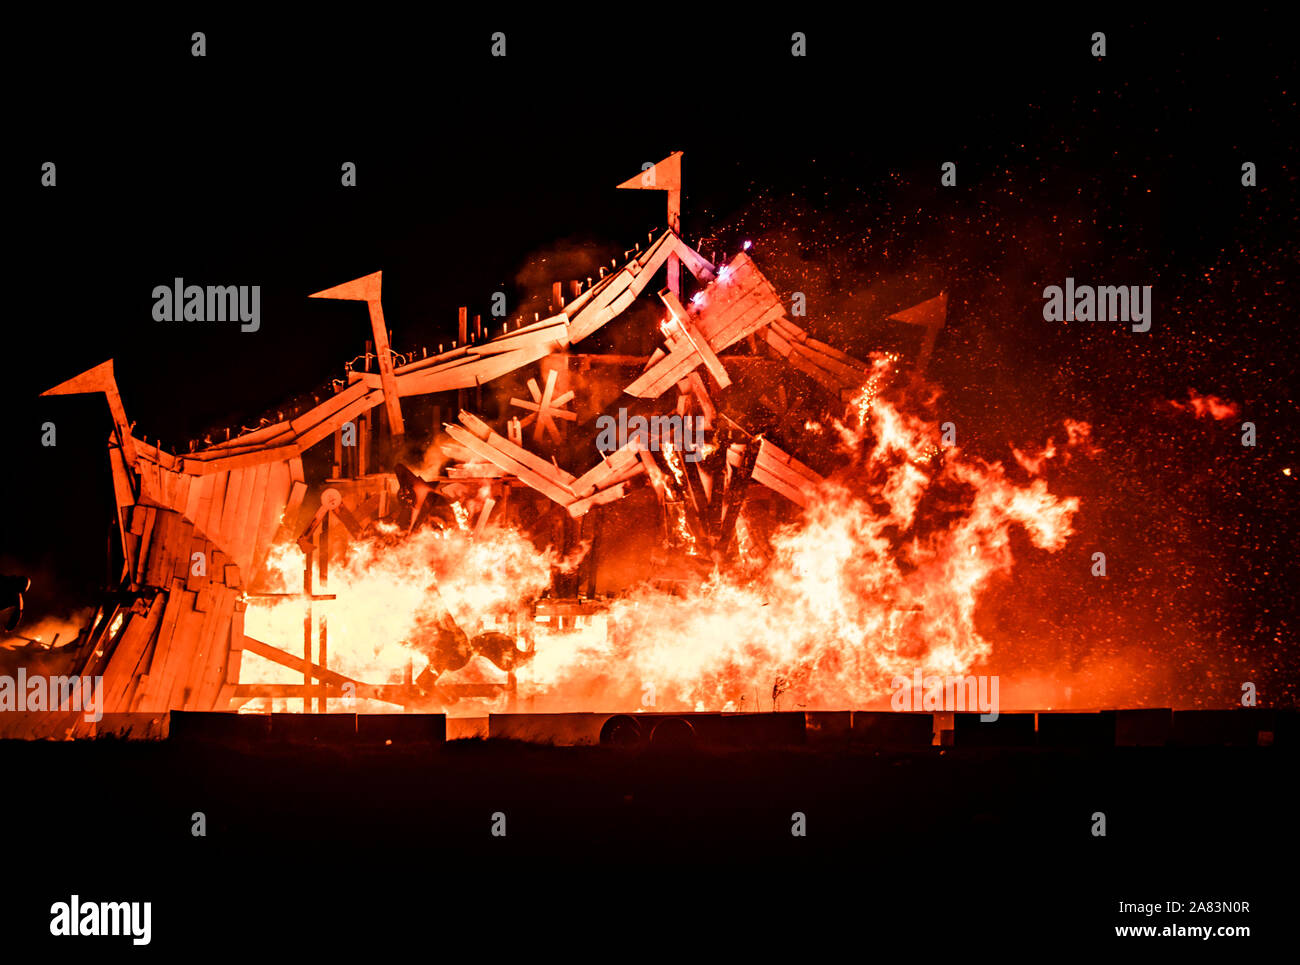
(196, 528)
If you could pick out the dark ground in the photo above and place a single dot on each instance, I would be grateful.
(938, 851)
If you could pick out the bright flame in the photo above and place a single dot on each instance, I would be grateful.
(881, 573)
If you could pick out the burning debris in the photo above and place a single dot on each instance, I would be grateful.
(811, 536)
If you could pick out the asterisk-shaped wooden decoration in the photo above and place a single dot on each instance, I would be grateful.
(545, 409)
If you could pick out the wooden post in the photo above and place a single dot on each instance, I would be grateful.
(324, 585)
(368, 290)
(675, 225)
(363, 429)
(478, 389)
(666, 176)
(306, 629)
(462, 330)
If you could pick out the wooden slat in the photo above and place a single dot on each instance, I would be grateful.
(482, 431)
(162, 553)
(780, 485)
(245, 460)
(210, 513)
(257, 437)
(327, 427)
(289, 521)
(286, 659)
(228, 530)
(616, 463)
(207, 665)
(234, 659)
(146, 544)
(546, 484)
(328, 410)
(250, 517)
(786, 475)
(777, 342)
(122, 668)
(695, 263)
(200, 488)
(273, 506)
(145, 698)
(580, 507)
(189, 630)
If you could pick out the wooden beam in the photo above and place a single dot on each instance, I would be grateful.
(368, 289)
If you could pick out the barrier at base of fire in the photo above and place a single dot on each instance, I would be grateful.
(1009, 730)
(381, 729)
(1138, 727)
(1241, 727)
(884, 728)
(1071, 729)
(706, 729)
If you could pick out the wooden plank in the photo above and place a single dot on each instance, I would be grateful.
(779, 471)
(289, 519)
(668, 371)
(599, 310)
(162, 552)
(273, 507)
(200, 467)
(189, 630)
(327, 426)
(695, 263)
(582, 506)
(227, 530)
(201, 684)
(845, 375)
(813, 371)
(496, 366)
(778, 344)
(545, 484)
(208, 692)
(178, 543)
(250, 525)
(482, 431)
(146, 545)
(702, 397)
(735, 326)
(771, 454)
(145, 698)
(239, 540)
(258, 437)
(183, 482)
(210, 524)
(234, 658)
(617, 462)
(441, 379)
(200, 488)
(200, 544)
(551, 331)
(705, 351)
(286, 659)
(774, 482)
(653, 471)
(121, 671)
(329, 409)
